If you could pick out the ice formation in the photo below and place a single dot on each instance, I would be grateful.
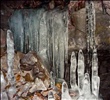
(81, 68)
(10, 60)
(47, 35)
(65, 92)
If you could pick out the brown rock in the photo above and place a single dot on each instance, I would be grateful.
(17, 57)
(32, 62)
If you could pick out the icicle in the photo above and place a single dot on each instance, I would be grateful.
(80, 71)
(51, 96)
(47, 35)
(60, 40)
(43, 37)
(16, 26)
(65, 92)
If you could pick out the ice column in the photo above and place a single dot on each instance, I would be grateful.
(59, 25)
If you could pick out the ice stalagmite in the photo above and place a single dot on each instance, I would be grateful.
(65, 92)
(86, 91)
(74, 87)
(10, 60)
(73, 71)
(94, 63)
(80, 71)
(95, 77)
(10, 57)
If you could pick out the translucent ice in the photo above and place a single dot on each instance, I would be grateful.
(86, 91)
(65, 92)
(10, 57)
(81, 68)
(10, 60)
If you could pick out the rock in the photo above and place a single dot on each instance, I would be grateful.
(3, 42)
(32, 63)
(17, 57)
(77, 36)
